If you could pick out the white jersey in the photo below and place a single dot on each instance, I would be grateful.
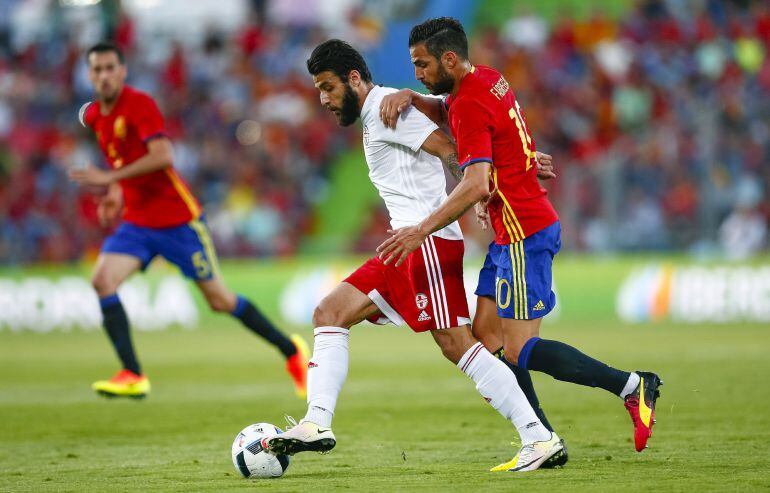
(409, 180)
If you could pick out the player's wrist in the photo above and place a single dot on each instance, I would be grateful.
(423, 230)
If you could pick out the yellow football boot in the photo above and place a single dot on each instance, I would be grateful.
(124, 384)
(558, 459)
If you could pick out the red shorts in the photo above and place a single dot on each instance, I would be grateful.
(426, 291)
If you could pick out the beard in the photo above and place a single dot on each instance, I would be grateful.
(108, 95)
(443, 84)
(348, 114)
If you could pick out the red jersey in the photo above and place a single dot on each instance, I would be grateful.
(487, 123)
(160, 199)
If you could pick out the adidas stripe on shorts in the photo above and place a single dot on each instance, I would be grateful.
(426, 292)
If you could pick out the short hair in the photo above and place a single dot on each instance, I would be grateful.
(338, 57)
(440, 35)
(106, 47)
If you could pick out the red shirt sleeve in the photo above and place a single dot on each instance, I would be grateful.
(147, 118)
(88, 113)
(472, 125)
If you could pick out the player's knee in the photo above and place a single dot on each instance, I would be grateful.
(220, 304)
(323, 316)
(103, 284)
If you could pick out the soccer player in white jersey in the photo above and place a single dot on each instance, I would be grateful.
(426, 292)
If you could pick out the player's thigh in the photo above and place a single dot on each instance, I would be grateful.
(217, 295)
(454, 341)
(516, 333)
(111, 270)
(344, 306)
(486, 323)
(189, 247)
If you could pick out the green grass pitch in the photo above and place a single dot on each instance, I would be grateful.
(407, 420)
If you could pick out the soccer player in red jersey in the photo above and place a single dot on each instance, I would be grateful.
(159, 217)
(497, 153)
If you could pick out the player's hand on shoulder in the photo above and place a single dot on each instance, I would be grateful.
(393, 105)
(544, 166)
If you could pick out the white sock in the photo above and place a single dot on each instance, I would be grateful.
(498, 386)
(327, 371)
(633, 382)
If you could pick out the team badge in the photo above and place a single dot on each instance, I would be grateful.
(119, 128)
(421, 300)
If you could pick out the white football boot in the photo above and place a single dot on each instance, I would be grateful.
(533, 455)
(303, 437)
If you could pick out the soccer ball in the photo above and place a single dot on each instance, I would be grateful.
(251, 460)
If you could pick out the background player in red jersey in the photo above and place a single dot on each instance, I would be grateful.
(160, 217)
(497, 153)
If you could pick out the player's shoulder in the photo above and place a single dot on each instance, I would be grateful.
(134, 95)
(372, 107)
(479, 90)
(374, 98)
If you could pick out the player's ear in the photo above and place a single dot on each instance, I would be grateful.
(355, 78)
(449, 59)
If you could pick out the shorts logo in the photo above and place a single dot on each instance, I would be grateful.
(421, 300)
(539, 306)
(310, 364)
(423, 316)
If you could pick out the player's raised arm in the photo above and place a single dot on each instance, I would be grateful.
(394, 104)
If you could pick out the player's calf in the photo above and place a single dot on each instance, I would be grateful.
(454, 342)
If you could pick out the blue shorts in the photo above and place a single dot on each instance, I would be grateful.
(188, 246)
(518, 275)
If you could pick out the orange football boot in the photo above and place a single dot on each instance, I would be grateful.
(296, 365)
(641, 406)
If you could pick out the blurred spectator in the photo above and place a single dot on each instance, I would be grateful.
(654, 119)
(660, 113)
(744, 232)
(243, 116)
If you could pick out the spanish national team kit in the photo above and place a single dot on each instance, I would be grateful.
(426, 292)
(517, 268)
(487, 123)
(161, 216)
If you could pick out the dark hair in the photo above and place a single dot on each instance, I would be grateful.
(106, 47)
(339, 57)
(440, 35)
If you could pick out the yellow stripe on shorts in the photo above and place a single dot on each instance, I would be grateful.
(208, 246)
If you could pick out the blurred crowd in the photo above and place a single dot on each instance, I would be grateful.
(249, 135)
(659, 123)
(659, 120)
